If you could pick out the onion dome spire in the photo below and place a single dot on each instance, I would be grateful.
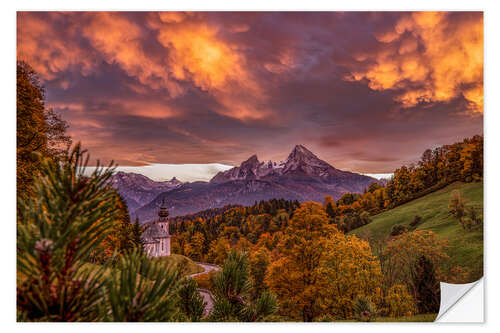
(163, 212)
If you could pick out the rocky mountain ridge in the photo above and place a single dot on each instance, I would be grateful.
(138, 190)
(302, 176)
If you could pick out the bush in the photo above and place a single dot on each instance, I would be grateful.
(416, 220)
(457, 204)
(205, 281)
(398, 229)
(466, 223)
(363, 309)
(473, 214)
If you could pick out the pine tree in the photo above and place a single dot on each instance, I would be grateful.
(67, 217)
(233, 293)
(141, 289)
(137, 231)
(191, 302)
(427, 292)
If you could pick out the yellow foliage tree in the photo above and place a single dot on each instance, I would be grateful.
(351, 270)
(296, 277)
(400, 301)
(319, 271)
(195, 248)
(218, 251)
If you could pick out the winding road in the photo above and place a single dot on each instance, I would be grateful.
(208, 298)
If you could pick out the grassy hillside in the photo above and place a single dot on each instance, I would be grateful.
(181, 262)
(186, 265)
(466, 248)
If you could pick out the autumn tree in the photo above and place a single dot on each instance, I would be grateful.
(38, 129)
(351, 271)
(330, 207)
(218, 251)
(259, 262)
(296, 276)
(400, 302)
(402, 253)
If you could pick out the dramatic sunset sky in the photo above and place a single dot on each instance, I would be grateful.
(365, 91)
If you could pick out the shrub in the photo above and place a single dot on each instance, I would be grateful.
(457, 204)
(363, 309)
(473, 214)
(416, 220)
(205, 281)
(466, 223)
(398, 229)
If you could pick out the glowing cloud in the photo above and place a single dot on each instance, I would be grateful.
(429, 57)
(198, 54)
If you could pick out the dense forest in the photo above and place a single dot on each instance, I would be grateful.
(199, 235)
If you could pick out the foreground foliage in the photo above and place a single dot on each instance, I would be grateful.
(60, 225)
(67, 220)
(232, 292)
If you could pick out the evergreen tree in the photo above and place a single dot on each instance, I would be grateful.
(67, 218)
(141, 289)
(191, 302)
(232, 293)
(137, 231)
(427, 291)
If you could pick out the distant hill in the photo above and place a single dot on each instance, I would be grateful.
(466, 248)
(302, 176)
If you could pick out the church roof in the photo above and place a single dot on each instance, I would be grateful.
(153, 229)
(153, 232)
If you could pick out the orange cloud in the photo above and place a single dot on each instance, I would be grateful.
(197, 54)
(194, 53)
(431, 59)
(41, 46)
(119, 40)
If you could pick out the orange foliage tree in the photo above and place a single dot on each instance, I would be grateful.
(319, 270)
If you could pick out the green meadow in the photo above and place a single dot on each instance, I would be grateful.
(466, 247)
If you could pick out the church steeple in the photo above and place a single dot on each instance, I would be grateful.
(163, 212)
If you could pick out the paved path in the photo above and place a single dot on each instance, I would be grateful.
(208, 298)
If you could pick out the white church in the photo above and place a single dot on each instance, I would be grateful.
(156, 237)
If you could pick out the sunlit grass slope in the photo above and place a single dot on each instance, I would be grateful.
(466, 247)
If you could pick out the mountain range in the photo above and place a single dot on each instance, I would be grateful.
(302, 176)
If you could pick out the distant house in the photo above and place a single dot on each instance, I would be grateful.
(156, 237)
